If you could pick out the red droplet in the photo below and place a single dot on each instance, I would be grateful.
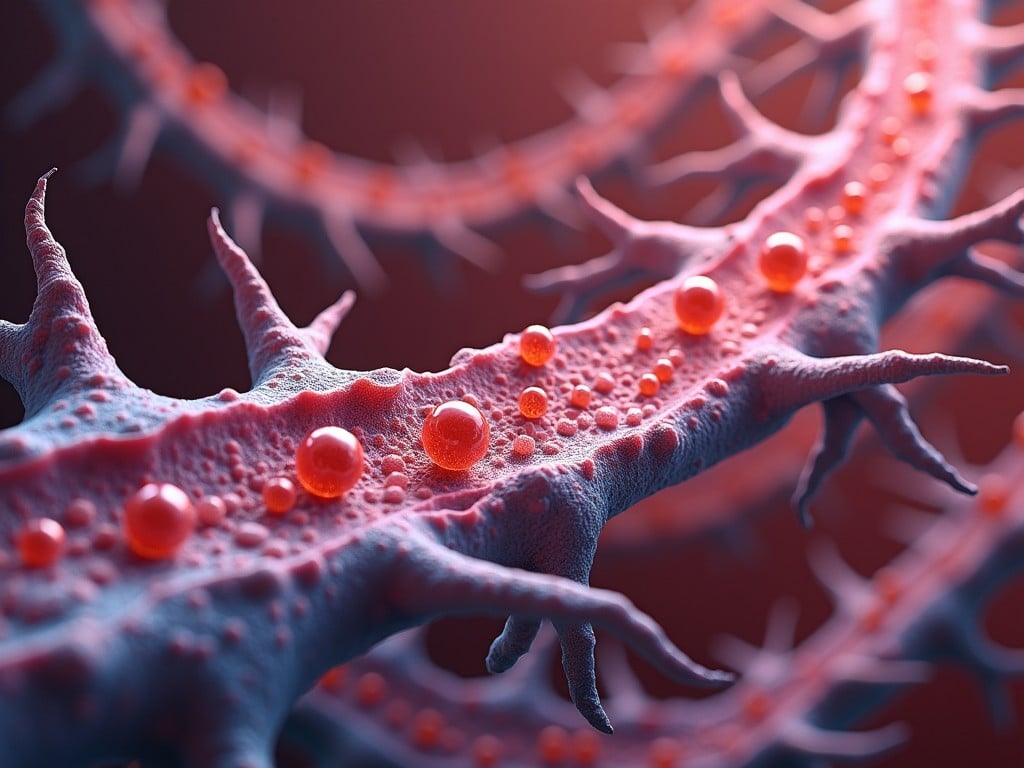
(783, 261)
(158, 519)
(41, 542)
(918, 87)
(536, 345)
(649, 385)
(580, 396)
(456, 435)
(699, 304)
(855, 196)
(533, 402)
(279, 495)
(329, 461)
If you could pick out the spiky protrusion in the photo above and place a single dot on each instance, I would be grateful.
(60, 336)
(272, 340)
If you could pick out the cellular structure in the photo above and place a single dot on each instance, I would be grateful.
(716, 460)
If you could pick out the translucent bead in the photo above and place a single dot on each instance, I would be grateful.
(158, 520)
(456, 435)
(783, 261)
(329, 461)
(699, 304)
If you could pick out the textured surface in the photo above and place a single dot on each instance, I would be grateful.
(410, 542)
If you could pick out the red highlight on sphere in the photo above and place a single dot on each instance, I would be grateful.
(536, 345)
(533, 402)
(329, 461)
(279, 495)
(158, 519)
(456, 435)
(783, 261)
(699, 304)
(41, 542)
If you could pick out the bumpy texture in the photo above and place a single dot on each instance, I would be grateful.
(198, 659)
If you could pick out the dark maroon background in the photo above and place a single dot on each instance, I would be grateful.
(372, 74)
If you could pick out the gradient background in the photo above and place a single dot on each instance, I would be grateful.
(449, 74)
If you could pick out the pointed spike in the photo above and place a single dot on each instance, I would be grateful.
(923, 245)
(875, 671)
(48, 257)
(244, 217)
(988, 108)
(887, 409)
(586, 98)
(559, 205)
(453, 583)
(842, 582)
(468, 245)
(737, 653)
(616, 224)
(270, 337)
(976, 266)
(51, 89)
(577, 641)
(842, 417)
(992, 664)
(781, 629)
(821, 97)
(355, 254)
(742, 113)
(512, 644)
(907, 525)
(321, 330)
(805, 737)
(140, 134)
(60, 315)
(799, 379)
(622, 685)
(819, 25)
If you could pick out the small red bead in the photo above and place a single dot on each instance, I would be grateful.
(279, 495)
(649, 385)
(329, 461)
(783, 261)
(533, 402)
(918, 87)
(699, 304)
(456, 435)
(580, 396)
(855, 197)
(536, 345)
(158, 519)
(41, 542)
